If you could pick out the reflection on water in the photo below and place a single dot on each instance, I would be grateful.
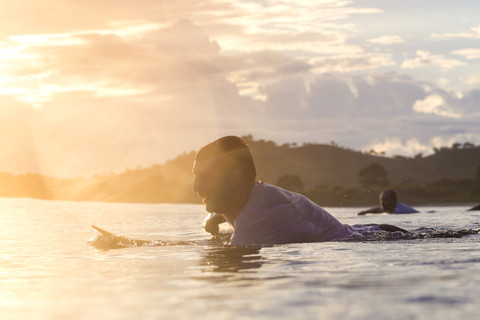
(47, 271)
(231, 259)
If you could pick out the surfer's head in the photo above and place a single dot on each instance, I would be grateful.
(224, 170)
(388, 201)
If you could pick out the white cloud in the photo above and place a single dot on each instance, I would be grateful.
(396, 146)
(435, 104)
(473, 33)
(305, 28)
(469, 54)
(345, 63)
(410, 147)
(387, 39)
(429, 104)
(443, 141)
(443, 82)
(473, 80)
(426, 59)
(153, 79)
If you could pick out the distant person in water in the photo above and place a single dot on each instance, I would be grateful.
(389, 204)
(261, 214)
(474, 208)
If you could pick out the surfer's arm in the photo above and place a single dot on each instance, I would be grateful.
(211, 222)
(371, 210)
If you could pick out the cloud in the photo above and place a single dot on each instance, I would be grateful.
(473, 33)
(347, 97)
(109, 98)
(104, 133)
(177, 58)
(469, 103)
(397, 146)
(305, 38)
(351, 62)
(67, 16)
(354, 109)
(426, 59)
(167, 61)
(469, 54)
(411, 147)
(473, 80)
(306, 27)
(153, 79)
(443, 81)
(435, 104)
(387, 95)
(386, 40)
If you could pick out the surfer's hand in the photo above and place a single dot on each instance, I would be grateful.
(211, 222)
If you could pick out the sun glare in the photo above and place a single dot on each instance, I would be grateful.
(132, 29)
(14, 53)
(123, 30)
(47, 39)
(11, 91)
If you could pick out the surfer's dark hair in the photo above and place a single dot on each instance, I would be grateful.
(230, 151)
(392, 193)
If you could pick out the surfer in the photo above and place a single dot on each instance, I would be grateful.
(389, 204)
(260, 213)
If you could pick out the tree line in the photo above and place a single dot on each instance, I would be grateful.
(328, 174)
(373, 179)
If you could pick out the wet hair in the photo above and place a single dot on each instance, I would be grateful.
(392, 194)
(230, 152)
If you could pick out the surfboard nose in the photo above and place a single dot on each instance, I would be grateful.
(104, 232)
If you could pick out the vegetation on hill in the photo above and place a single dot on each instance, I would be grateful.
(329, 174)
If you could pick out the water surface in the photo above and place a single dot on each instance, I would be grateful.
(49, 271)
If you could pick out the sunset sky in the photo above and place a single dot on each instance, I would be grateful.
(90, 87)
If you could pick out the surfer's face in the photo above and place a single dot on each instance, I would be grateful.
(213, 186)
(388, 202)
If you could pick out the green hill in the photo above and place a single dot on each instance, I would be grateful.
(318, 164)
(328, 174)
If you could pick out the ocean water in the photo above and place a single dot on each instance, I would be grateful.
(49, 270)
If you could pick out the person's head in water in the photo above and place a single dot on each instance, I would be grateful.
(224, 175)
(388, 201)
